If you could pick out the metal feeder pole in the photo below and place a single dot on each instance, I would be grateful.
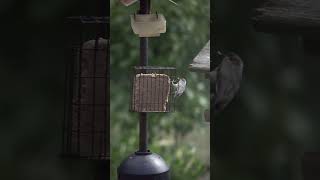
(143, 144)
(143, 164)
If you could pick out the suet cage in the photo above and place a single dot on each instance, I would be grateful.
(152, 89)
(86, 122)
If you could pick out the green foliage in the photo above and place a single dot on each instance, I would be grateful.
(187, 32)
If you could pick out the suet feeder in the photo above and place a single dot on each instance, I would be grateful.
(148, 25)
(152, 90)
(86, 122)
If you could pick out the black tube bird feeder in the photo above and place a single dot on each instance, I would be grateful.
(86, 123)
(86, 118)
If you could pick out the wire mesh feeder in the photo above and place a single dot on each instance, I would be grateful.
(86, 123)
(152, 90)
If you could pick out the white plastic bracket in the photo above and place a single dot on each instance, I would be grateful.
(148, 25)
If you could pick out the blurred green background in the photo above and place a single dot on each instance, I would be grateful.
(181, 138)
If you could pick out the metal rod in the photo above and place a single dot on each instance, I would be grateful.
(143, 126)
(107, 97)
(79, 61)
(143, 147)
(68, 105)
(93, 121)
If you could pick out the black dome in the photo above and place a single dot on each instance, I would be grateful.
(143, 166)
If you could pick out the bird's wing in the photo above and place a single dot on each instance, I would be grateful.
(224, 86)
(181, 86)
(212, 75)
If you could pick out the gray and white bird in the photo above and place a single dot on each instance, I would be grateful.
(179, 87)
(226, 79)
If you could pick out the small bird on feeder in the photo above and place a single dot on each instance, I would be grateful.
(179, 87)
(226, 79)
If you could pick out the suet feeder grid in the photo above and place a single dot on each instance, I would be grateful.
(152, 90)
(86, 121)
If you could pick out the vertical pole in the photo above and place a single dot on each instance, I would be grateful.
(143, 125)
